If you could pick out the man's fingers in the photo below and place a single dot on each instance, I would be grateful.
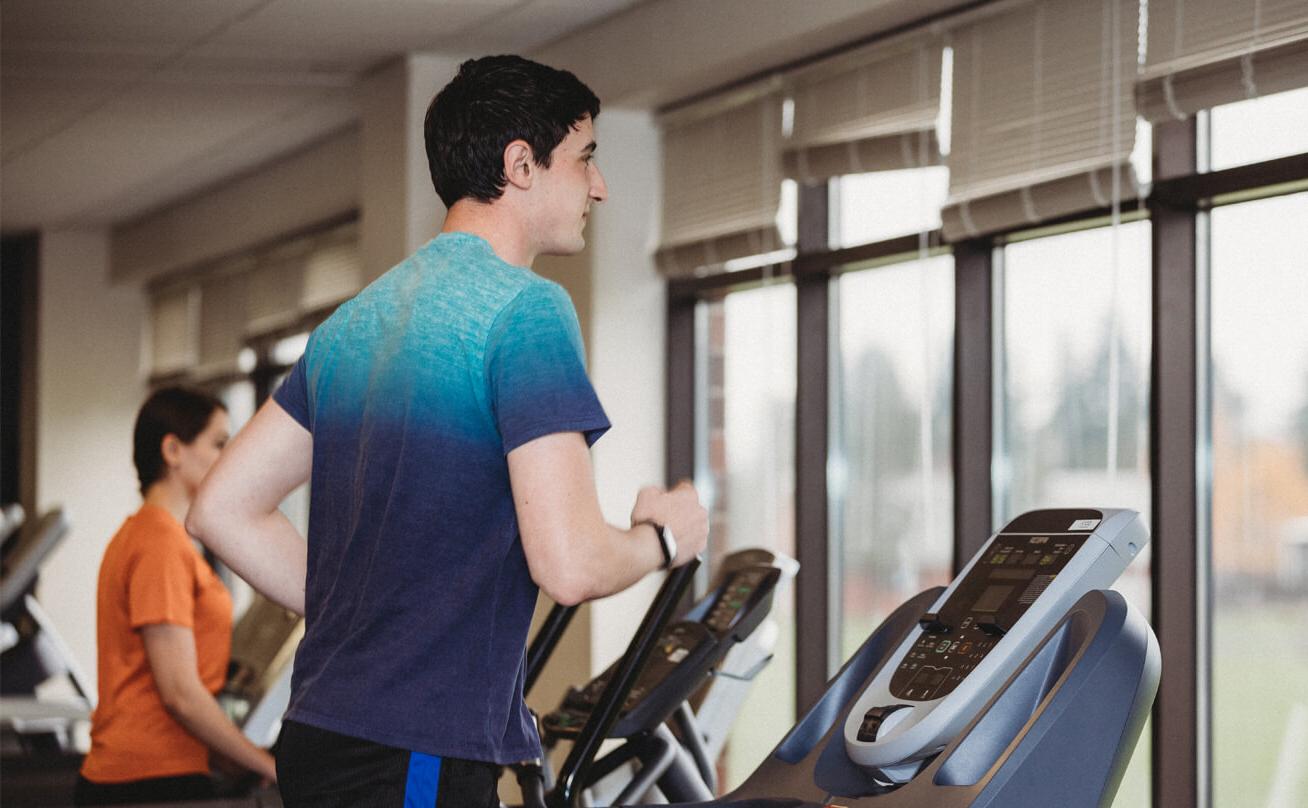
(649, 504)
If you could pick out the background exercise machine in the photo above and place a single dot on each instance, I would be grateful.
(708, 658)
(33, 650)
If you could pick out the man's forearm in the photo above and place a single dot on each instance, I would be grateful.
(236, 511)
(594, 561)
(573, 553)
(620, 559)
(265, 550)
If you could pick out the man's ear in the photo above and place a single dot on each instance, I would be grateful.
(519, 164)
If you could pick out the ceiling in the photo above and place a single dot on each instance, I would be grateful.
(109, 108)
(112, 109)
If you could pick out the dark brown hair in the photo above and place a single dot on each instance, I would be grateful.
(492, 102)
(176, 411)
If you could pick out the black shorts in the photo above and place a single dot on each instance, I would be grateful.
(135, 792)
(323, 769)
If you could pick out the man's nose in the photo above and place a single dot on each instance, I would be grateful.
(599, 190)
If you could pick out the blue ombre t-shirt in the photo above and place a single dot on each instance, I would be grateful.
(418, 599)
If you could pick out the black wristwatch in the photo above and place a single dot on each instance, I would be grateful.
(667, 542)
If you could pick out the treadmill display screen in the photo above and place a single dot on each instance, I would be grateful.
(992, 598)
(739, 593)
(997, 591)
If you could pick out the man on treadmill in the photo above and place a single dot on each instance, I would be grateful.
(443, 417)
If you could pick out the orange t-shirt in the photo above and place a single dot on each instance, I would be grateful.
(151, 573)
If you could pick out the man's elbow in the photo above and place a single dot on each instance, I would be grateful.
(564, 589)
(562, 579)
(199, 518)
(563, 562)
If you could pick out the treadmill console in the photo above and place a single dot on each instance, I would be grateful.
(738, 597)
(1008, 597)
(686, 652)
(678, 642)
(1008, 579)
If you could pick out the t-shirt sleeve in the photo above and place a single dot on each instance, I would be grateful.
(161, 587)
(537, 372)
(293, 394)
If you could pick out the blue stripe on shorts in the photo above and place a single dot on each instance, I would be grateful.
(424, 779)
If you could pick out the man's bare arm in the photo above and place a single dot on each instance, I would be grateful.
(574, 555)
(236, 511)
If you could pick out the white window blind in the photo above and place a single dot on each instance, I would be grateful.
(222, 320)
(173, 329)
(273, 290)
(333, 270)
(1202, 53)
(1043, 113)
(721, 181)
(869, 110)
(200, 323)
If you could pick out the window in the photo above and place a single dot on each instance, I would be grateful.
(884, 204)
(745, 471)
(1259, 129)
(239, 398)
(1259, 394)
(889, 474)
(1074, 414)
(1075, 349)
(287, 351)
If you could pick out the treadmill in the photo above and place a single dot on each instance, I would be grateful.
(709, 659)
(258, 686)
(1025, 682)
(33, 650)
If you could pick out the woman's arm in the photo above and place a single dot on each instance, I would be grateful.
(170, 650)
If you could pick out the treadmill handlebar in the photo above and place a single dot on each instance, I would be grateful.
(570, 784)
(27, 551)
(542, 645)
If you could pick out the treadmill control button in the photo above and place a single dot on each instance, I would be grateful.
(873, 719)
(990, 625)
(932, 624)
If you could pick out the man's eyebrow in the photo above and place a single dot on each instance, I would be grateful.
(589, 148)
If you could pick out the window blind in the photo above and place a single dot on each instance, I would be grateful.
(333, 270)
(1043, 113)
(222, 320)
(870, 110)
(1202, 53)
(273, 290)
(172, 330)
(721, 181)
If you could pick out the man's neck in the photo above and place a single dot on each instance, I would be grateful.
(507, 238)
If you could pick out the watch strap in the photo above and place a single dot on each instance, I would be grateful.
(667, 543)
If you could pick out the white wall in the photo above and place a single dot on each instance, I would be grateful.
(88, 390)
(626, 347)
(400, 209)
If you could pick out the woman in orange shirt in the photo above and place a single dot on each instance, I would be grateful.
(163, 626)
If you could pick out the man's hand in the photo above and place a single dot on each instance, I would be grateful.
(680, 511)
